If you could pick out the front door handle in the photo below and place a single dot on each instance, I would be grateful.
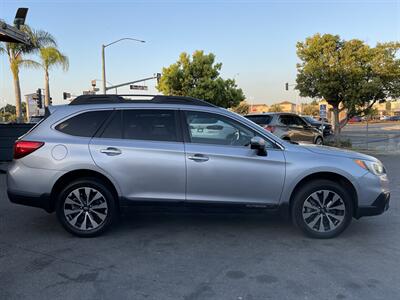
(198, 157)
(111, 151)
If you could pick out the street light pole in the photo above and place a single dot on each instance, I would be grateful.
(103, 59)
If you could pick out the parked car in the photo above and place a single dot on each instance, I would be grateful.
(394, 118)
(89, 159)
(384, 118)
(35, 119)
(355, 119)
(290, 127)
(326, 128)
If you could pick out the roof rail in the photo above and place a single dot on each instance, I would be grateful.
(124, 98)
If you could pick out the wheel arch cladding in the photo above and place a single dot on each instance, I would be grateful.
(343, 181)
(75, 175)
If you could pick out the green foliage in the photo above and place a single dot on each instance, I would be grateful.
(350, 75)
(275, 108)
(242, 109)
(199, 76)
(8, 112)
(311, 109)
(341, 143)
(51, 56)
(16, 52)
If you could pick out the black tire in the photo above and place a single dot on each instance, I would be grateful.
(104, 192)
(319, 141)
(300, 214)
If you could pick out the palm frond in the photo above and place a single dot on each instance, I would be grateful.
(29, 63)
(51, 56)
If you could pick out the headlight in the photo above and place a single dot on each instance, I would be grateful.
(376, 168)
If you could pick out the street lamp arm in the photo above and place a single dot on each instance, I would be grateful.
(131, 39)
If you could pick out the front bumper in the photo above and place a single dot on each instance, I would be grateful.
(379, 206)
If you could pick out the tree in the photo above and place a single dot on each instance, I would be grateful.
(242, 109)
(51, 56)
(16, 52)
(350, 75)
(7, 112)
(275, 108)
(310, 109)
(198, 76)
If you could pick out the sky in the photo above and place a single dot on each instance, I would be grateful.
(254, 40)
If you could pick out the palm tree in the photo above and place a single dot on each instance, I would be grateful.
(16, 52)
(51, 56)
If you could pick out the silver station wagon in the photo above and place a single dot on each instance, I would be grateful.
(88, 159)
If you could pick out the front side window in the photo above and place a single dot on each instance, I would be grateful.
(85, 124)
(300, 122)
(150, 124)
(208, 128)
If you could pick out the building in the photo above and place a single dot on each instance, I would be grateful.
(258, 108)
(288, 107)
(394, 107)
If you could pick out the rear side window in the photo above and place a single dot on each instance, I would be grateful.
(150, 124)
(287, 120)
(260, 120)
(85, 124)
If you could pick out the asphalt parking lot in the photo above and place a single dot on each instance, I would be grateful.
(383, 137)
(155, 254)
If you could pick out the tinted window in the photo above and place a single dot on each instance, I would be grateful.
(260, 120)
(84, 124)
(208, 128)
(155, 125)
(299, 121)
(287, 120)
(113, 128)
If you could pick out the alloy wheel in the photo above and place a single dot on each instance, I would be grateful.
(323, 211)
(85, 208)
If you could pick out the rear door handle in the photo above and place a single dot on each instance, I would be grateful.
(198, 157)
(111, 151)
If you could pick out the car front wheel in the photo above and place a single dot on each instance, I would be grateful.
(322, 209)
(86, 207)
(319, 141)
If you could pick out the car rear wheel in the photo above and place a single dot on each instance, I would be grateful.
(86, 207)
(322, 209)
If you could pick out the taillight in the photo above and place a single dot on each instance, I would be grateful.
(270, 128)
(23, 148)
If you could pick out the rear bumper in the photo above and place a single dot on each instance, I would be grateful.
(42, 201)
(379, 206)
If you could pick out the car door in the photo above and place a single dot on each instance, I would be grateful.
(288, 128)
(143, 151)
(222, 168)
(305, 131)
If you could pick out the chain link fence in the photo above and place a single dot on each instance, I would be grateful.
(381, 137)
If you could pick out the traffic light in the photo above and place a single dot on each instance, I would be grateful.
(66, 95)
(38, 98)
(287, 86)
(158, 77)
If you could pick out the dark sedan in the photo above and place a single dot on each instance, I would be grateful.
(325, 127)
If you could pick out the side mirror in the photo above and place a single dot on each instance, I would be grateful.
(258, 144)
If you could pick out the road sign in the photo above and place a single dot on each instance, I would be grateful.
(138, 87)
(322, 111)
